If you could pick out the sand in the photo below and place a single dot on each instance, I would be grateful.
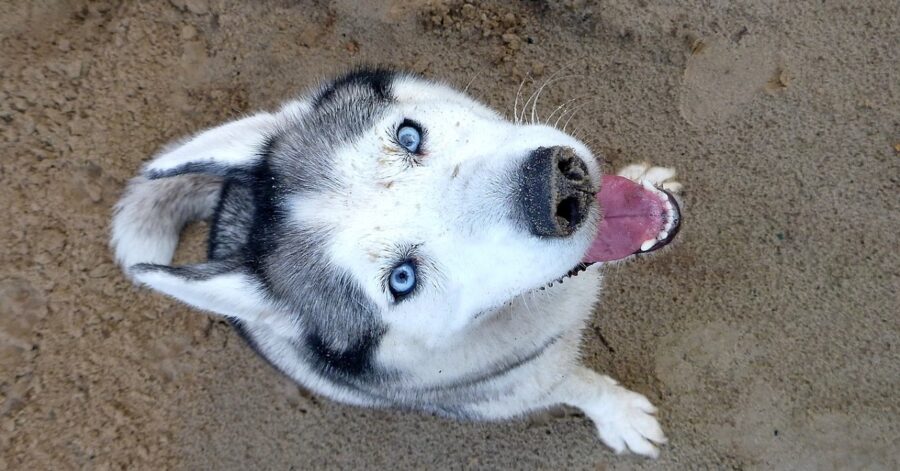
(768, 336)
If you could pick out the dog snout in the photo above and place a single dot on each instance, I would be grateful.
(556, 193)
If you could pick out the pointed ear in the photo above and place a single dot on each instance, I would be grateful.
(220, 287)
(222, 150)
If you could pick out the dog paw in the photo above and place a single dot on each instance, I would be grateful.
(624, 420)
(661, 177)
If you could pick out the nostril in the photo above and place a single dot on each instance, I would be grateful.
(564, 163)
(568, 213)
(572, 168)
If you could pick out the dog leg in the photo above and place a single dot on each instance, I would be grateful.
(662, 177)
(624, 418)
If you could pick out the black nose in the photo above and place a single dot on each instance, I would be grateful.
(556, 192)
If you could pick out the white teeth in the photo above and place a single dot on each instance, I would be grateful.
(670, 216)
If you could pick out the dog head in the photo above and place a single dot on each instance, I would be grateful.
(436, 207)
(382, 201)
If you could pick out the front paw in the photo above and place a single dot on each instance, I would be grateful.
(624, 420)
(660, 177)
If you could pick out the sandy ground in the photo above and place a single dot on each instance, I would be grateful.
(768, 337)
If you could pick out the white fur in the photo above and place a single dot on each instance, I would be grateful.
(232, 295)
(233, 143)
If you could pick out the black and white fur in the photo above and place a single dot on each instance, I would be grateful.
(312, 204)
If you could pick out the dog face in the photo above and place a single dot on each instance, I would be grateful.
(432, 233)
(383, 202)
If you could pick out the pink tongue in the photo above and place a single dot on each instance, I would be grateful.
(632, 214)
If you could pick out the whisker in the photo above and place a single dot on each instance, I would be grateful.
(528, 101)
(575, 111)
(552, 78)
(561, 116)
(516, 103)
(560, 107)
(474, 76)
(541, 89)
(519, 116)
(537, 93)
(591, 144)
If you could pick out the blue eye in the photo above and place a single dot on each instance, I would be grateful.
(409, 136)
(402, 279)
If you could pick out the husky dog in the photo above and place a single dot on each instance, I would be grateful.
(387, 241)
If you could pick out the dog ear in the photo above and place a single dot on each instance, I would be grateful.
(223, 150)
(220, 287)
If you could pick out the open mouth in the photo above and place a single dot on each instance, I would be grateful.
(637, 218)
